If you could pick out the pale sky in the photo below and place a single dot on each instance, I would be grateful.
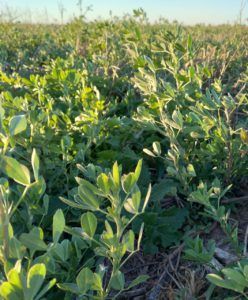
(186, 11)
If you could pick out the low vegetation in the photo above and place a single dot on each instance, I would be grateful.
(123, 160)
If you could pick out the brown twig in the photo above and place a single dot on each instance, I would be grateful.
(154, 293)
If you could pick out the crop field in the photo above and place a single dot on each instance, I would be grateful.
(123, 160)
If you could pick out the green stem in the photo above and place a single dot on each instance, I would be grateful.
(246, 297)
(128, 257)
(74, 232)
(4, 219)
(130, 221)
(112, 274)
(19, 201)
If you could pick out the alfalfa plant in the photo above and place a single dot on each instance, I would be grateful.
(25, 285)
(211, 200)
(19, 281)
(118, 199)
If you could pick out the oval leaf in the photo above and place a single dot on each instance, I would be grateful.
(16, 171)
(35, 164)
(89, 223)
(58, 225)
(17, 124)
(35, 279)
(85, 280)
(118, 281)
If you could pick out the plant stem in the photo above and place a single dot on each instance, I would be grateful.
(19, 201)
(4, 219)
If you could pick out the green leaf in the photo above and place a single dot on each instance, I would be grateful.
(244, 136)
(16, 249)
(246, 272)
(129, 206)
(207, 72)
(116, 175)
(72, 203)
(34, 240)
(148, 194)
(235, 276)
(180, 47)
(87, 185)
(58, 225)
(177, 118)
(89, 223)
(2, 113)
(85, 280)
(189, 42)
(166, 121)
(17, 124)
(108, 236)
(156, 148)
(69, 287)
(46, 288)
(58, 252)
(16, 171)
(140, 235)
(128, 240)
(138, 170)
(35, 164)
(8, 292)
(103, 183)
(225, 283)
(160, 190)
(191, 170)
(86, 193)
(149, 152)
(35, 279)
(136, 198)
(14, 279)
(128, 182)
(132, 204)
(140, 279)
(97, 283)
(118, 281)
